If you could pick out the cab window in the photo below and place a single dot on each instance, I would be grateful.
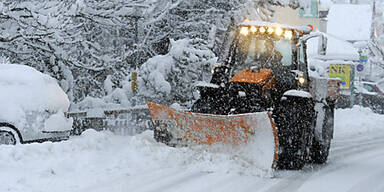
(301, 54)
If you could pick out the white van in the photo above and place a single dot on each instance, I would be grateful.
(32, 106)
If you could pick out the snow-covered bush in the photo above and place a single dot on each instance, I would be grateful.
(170, 78)
(164, 78)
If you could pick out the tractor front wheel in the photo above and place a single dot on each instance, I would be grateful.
(294, 120)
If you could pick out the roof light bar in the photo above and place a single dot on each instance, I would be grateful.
(288, 34)
(244, 31)
(278, 31)
(253, 29)
(262, 30)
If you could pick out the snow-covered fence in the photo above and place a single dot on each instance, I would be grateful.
(128, 121)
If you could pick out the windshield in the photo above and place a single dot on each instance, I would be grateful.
(266, 53)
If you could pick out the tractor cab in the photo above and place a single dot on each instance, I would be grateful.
(269, 45)
(263, 61)
(263, 45)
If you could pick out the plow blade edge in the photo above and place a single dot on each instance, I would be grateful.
(253, 133)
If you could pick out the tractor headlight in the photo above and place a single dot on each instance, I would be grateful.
(253, 29)
(244, 31)
(301, 79)
(262, 30)
(279, 31)
(213, 70)
(288, 34)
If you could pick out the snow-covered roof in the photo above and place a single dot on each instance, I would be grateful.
(345, 57)
(350, 21)
(347, 23)
(325, 5)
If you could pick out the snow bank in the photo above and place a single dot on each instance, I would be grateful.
(101, 161)
(58, 122)
(95, 159)
(357, 121)
(26, 90)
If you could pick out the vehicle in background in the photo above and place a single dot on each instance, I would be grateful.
(32, 106)
(380, 86)
(367, 94)
(371, 88)
(370, 94)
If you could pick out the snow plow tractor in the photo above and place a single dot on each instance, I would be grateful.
(260, 96)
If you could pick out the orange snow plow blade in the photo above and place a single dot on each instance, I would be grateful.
(253, 132)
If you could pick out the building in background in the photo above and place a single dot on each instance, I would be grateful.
(353, 1)
(312, 13)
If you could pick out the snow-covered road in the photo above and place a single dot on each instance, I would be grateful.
(101, 162)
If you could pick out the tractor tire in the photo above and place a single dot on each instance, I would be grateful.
(320, 148)
(320, 151)
(294, 120)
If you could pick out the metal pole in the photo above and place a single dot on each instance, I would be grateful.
(360, 62)
(136, 29)
(373, 19)
(372, 33)
(360, 96)
(352, 96)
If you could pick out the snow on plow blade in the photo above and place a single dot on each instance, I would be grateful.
(253, 133)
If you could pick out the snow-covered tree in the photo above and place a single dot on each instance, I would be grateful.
(40, 35)
(91, 46)
(170, 78)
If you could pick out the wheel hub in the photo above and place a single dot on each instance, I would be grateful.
(7, 138)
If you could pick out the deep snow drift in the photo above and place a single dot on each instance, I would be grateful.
(101, 161)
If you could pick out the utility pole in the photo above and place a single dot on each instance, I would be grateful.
(373, 19)
(137, 15)
(372, 38)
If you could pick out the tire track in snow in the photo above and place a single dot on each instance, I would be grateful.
(356, 141)
(289, 183)
(132, 182)
(172, 183)
(370, 184)
(354, 148)
(345, 148)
